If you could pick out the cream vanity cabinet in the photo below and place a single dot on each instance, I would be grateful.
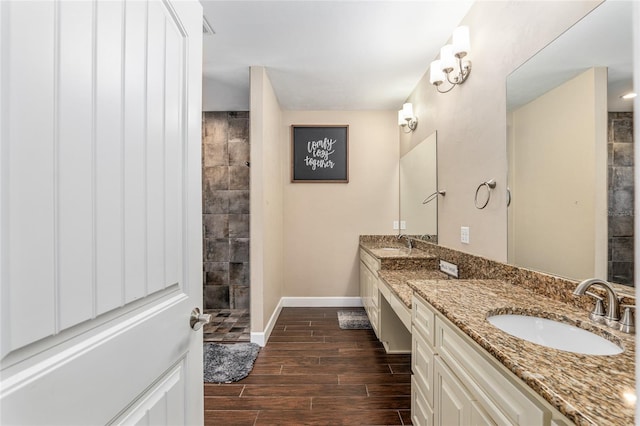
(369, 267)
(456, 382)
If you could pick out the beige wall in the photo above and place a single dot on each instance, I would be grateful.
(471, 119)
(318, 239)
(323, 221)
(266, 200)
(558, 176)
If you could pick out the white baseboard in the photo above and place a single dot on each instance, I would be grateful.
(321, 302)
(262, 337)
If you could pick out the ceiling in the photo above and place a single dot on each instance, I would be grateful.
(324, 55)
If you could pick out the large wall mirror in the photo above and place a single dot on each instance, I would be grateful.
(570, 148)
(418, 197)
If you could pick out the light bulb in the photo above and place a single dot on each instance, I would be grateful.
(461, 44)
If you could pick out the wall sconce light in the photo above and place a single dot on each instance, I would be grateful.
(406, 118)
(450, 67)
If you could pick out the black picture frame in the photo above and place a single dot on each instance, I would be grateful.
(320, 153)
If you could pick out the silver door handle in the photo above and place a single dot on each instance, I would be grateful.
(197, 320)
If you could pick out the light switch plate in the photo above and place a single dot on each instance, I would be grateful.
(464, 234)
(403, 224)
(395, 225)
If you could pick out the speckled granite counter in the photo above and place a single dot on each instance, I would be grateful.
(397, 280)
(395, 255)
(589, 390)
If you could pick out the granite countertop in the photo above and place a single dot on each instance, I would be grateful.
(588, 389)
(397, 280)
(394, 255)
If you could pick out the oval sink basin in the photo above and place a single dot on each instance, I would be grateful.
(554, 334)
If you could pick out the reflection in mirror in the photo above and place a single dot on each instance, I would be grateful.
(418, 180)
(570, 149)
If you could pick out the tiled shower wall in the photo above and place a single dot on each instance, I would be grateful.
(621, 200)
(225, 186)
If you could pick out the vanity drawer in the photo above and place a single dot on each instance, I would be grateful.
(422, 366)
(371, 262)
(503, 397)
(423, 319)
(421, 412)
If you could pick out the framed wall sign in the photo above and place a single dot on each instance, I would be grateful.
(320, 153)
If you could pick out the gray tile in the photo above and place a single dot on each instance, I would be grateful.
(216, 250)
(238, 126)
(621, 273)
(621, 226)
(623, 154)
(621, 202)
(216, 297)
(238, 201)
(216, 177)
(214, 154)
(239, 152)
(239, 177)
(239, 225)
(622, 129)
(239, 274)
(239, 250)
(240, 297)
(216, 226)
(622, 249)
(622, 177)
(215, 202)
(216, 127)
(216, 273)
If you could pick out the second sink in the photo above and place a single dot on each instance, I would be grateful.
(554, 334)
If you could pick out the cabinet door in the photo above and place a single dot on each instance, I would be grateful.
(421, 412)
(479, 417)
(452, 403)
(422, 364)
(363, 284)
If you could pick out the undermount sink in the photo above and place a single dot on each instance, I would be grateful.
(554, 334)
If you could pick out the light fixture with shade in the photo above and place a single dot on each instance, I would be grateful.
(406, 119)
(450, 67)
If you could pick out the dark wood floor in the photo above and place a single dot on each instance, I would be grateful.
(312, 372)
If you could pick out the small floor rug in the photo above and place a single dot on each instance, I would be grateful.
(353, 320)
(228, 362)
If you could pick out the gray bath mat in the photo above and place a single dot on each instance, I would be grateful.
(353, 320)
(229, 362)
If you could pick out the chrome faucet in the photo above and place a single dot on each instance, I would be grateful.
(613, 315)
(409, 244)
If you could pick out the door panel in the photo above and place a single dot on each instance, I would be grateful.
(101, 211)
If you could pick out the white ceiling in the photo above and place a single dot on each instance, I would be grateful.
(324, 55)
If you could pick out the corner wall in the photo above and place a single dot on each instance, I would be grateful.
(266, 201)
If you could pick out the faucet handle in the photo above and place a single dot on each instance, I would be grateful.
(597, 314)
(627, 324)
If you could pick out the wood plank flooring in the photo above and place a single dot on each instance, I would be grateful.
(312, 372)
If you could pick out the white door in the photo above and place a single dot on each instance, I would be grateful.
(100, 218)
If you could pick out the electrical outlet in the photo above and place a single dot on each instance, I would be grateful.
(403, 224)
(464, 234)
(395, 225)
